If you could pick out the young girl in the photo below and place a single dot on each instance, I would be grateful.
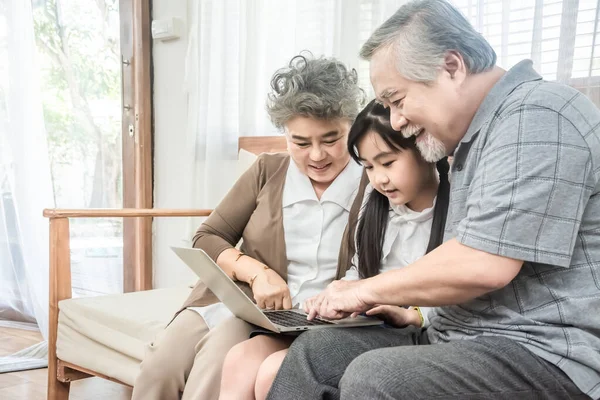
(401, 219)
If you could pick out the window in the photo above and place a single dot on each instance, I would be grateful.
(561, 37)
(78, 46)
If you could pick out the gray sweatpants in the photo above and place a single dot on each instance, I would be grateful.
(382, 363)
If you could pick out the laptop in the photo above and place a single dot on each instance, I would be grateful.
(244, 308)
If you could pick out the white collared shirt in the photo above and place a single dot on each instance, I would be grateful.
(314, 228)
(406, 240)
(313, 231)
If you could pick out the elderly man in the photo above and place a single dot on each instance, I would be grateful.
(517, 282)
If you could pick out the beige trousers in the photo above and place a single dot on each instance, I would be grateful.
(187, 358)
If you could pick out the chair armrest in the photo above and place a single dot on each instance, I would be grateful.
(124, 212)
(60, 256)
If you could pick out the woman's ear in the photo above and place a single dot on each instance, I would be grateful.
(287, 141)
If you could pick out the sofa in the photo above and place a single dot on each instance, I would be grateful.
(106, 336)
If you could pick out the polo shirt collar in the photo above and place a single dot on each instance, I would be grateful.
(514, 77)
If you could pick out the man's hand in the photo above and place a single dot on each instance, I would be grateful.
(339, 300)
(396, 316)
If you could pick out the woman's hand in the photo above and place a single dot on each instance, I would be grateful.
(270, 291)
(396, 316)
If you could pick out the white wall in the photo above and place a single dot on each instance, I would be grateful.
(170, 113)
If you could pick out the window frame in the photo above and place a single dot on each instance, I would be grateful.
(137, 140)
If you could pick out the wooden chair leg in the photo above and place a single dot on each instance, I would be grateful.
(60, 289)
(57, 390)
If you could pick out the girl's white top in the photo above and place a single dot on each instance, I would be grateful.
(406, 240)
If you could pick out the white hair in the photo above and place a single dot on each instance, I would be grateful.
(421, 33)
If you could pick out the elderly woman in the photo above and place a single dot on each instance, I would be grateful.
(290, 210)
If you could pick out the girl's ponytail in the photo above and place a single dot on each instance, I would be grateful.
(370, 234)
(441, 206)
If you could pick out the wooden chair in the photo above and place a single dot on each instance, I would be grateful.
(61, 373)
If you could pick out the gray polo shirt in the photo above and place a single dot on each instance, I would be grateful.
(525, 185)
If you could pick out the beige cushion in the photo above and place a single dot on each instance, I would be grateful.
(245, 160)
(109, 334)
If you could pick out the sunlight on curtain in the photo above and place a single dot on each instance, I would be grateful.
(25, 186)
(236, 45)
(234, 48)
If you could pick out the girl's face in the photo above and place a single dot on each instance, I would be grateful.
(400, 175)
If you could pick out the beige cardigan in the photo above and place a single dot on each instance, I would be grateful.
(252, 211)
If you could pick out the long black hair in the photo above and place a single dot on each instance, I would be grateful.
(372, 224)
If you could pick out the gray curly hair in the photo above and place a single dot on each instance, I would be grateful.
(320, 88)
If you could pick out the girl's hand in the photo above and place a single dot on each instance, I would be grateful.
(396, 316)
(271, 292)
(308, 304)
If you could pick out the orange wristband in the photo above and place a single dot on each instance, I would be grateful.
(421, 318)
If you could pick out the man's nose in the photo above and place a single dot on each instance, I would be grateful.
(397, 120)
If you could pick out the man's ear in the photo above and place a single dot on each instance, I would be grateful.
(454, 65)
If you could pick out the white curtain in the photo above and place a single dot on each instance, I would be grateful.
(236, 45)
(234, 48)
(25, 185)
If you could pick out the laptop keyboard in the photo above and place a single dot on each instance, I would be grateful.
(291, 319)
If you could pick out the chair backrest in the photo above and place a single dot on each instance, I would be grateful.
(262, 144)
